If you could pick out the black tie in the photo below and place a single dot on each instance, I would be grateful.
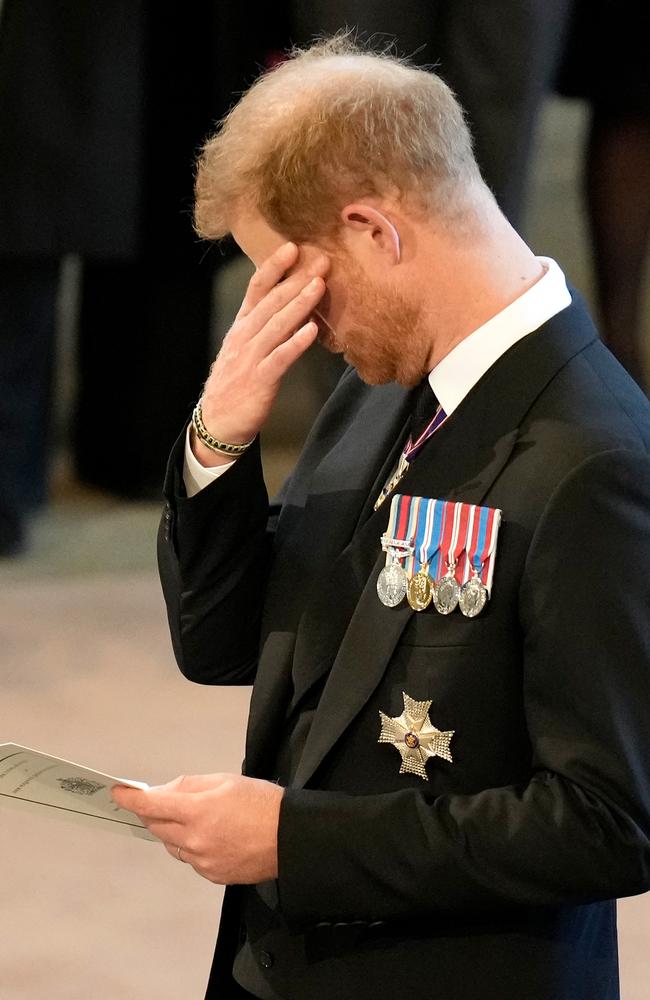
(424, 405)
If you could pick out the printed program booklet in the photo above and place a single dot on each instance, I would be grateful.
(30, 779)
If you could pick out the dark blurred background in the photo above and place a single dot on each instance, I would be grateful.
(110, 312)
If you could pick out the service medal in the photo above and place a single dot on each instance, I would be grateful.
(484, 526)
(420, 590)
(392, 584)
(427, 527)
(454, 537)
(447, 594)
(473, 597)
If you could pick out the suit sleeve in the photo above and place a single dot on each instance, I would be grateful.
(579, 830)
(213, 555)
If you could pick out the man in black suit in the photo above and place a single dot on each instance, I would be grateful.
(490, 871)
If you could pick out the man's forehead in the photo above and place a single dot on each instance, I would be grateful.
(255, 237)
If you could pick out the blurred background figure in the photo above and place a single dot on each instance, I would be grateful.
(102, 109)
(71, 114)
(606, 64)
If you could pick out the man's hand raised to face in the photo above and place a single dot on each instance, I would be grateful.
(271, 331)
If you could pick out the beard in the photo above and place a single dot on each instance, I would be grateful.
(384, 336)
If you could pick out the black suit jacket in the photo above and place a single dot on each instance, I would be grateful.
(495, 879)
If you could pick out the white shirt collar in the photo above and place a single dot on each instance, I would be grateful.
(461, 369)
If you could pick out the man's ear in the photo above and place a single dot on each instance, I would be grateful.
(378, 227)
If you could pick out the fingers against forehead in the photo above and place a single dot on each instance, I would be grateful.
(279, 324)
(268, 275)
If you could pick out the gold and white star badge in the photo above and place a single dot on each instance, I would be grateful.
(416, 739)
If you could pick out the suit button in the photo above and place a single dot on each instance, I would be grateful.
(266, 960)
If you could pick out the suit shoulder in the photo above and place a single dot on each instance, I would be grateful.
(592, 405)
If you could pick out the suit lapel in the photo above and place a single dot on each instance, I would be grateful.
(460, 462)
(297, 649)
(319, 635)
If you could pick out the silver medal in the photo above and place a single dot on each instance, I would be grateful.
(446, 594)
(473, 597)
(392, 584)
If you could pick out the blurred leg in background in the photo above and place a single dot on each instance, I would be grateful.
(606, 64)
(28, 290)
(103, 107)
(70, 123)
(617, 187)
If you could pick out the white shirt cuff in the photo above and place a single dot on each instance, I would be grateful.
(196, 476)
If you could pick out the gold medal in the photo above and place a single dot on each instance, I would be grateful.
(420, 590)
